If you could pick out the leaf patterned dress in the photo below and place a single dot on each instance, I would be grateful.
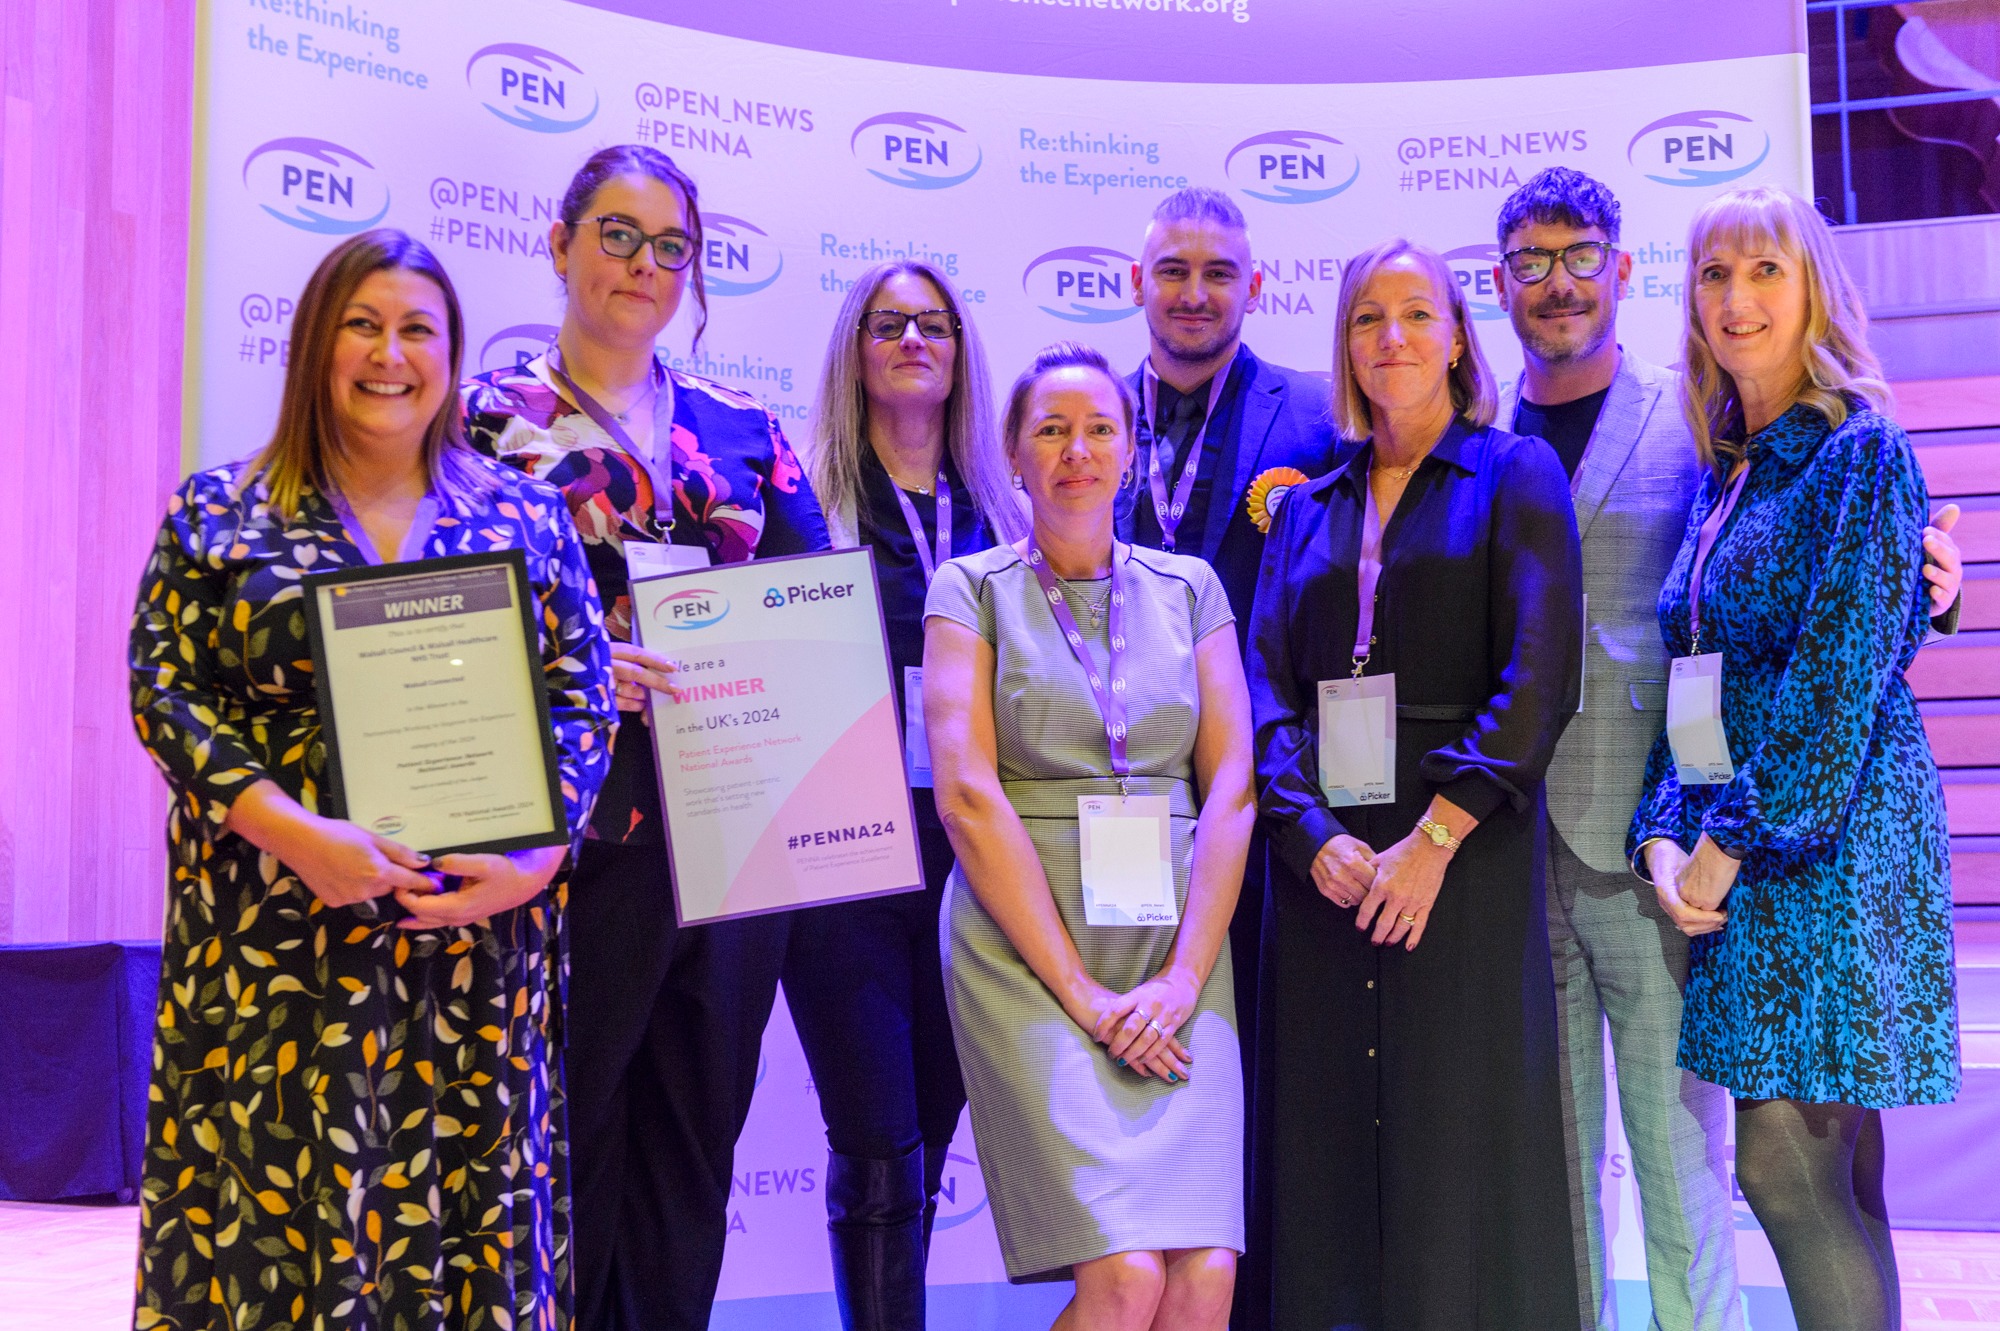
(350, 1125)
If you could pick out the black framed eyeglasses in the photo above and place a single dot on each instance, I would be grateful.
(1585, 259)
(620, 237)
(889, 325)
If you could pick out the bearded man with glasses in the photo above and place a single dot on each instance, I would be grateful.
(1619, 944)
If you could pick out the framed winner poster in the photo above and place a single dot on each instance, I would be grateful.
(781, 766)
(432, 706)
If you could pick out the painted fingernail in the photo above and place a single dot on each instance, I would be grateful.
(1172, 1077)
(1121, 1062)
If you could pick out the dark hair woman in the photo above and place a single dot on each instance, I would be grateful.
(667, 469)
(335, 1077)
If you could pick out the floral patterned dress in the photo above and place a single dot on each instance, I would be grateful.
(739, 491)
(1833, 980)
(350, 1125)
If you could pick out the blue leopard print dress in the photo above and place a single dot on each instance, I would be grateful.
(1833, 980)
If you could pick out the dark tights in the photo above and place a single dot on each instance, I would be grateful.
(1813, 1175)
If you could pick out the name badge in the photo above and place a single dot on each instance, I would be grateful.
(1127, 853)
(916, 741)
(1694, 721)
(645, 559)
(1357, 740)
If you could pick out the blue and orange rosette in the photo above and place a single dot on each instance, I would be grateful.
(1268, 491)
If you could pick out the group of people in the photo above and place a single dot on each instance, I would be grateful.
(1427, 830)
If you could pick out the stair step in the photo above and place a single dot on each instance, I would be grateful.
(1964, 666)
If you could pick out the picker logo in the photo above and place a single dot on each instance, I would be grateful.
(531, 88)
(737, 257)
(916, 150)
(1292, 166)
(1699, 148)
(1083, 284)
(316, 186)
(515, 345)
(1472, 266)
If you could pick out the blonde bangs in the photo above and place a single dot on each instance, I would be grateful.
(1836, 367)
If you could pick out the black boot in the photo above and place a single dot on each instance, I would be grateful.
(875, 1218)
(934, 1166)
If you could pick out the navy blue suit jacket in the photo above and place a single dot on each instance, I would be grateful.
(1278, 418)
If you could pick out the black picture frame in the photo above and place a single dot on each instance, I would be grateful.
(334, 792)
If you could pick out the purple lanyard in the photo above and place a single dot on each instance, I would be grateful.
(917, 527)
(1170, 512)
(1711, 528)
(1111, 698)
(422, 523)
(1368, 574)
(663, 438)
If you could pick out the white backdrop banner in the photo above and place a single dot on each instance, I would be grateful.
(1020, 145)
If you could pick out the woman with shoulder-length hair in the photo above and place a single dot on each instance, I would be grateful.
(356, 1118)
(662, 470)
(1807, 802)
(905, 460)
(1090, 733)
(1414, 656)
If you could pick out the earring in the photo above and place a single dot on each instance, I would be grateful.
(1017, 482)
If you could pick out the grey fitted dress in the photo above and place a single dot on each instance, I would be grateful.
(1083, 1158)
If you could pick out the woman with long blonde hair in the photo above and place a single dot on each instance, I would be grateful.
(904, 460)
(1805, 801)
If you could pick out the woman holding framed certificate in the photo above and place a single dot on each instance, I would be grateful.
(1090, 736)
(662, 470)
(354, 1069)
(905, 460)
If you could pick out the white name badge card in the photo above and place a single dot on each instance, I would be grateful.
(1127, 853)
(1357, 740)
(916, 741)
(645, 559)
(1694, 721)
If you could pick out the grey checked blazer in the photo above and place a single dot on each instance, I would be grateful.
(1632, 493)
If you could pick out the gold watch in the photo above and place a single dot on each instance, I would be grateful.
(1439, 834)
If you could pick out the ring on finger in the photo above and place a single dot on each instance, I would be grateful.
(1407, 919)
(1156, 1026)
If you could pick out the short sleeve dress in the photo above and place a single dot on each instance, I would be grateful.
(1083, 1158)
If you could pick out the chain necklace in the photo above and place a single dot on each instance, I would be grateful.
(1095, 609)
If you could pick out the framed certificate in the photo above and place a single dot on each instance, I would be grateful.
(781, 766)
(432, 706)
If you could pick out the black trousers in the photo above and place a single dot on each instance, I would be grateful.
(1251, 1305)
(665, 1029)
(865, 983)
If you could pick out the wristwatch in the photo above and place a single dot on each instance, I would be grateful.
(1439, 834)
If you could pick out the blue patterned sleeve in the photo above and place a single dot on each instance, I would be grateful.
(576, 662)
(1862, 625)
(180, 643)
(1287, 735)
(1660, 812)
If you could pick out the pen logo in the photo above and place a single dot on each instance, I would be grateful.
(737, 257)
(516, 345)
(316, 185)
(694, 608)
(531, 87)
(961, 1193)
(1292, 166)
(1472, 267)
(1724, 143)
(924, 151)
(1090, 278)
(388, 824)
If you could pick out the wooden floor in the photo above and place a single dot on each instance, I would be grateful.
(69, 1268)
